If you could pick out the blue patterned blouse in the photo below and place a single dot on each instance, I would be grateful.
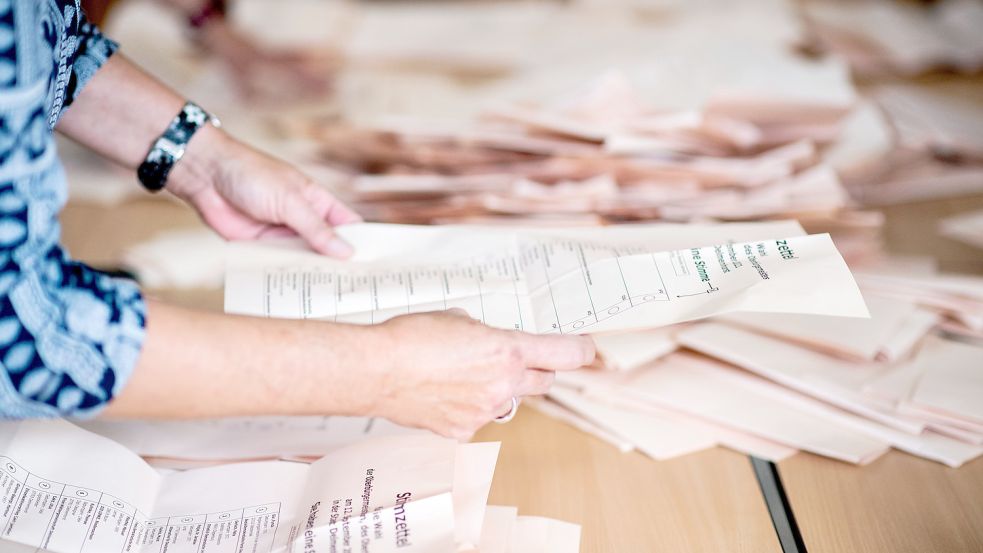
(69, 335)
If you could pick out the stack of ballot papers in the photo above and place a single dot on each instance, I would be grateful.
(907, 38)
(771, 384)
(936, 147)
(68, 490)
(597, 153)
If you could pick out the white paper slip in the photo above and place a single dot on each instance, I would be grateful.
(951, 384)
(712, 391)
(545, 535)
(658, 437)
(497, 530)
(403, 244)
(564, 282)
(243, 437)
(70, 491)
(928, 444)
(742, 442)
(474, 467)
(629, 350)
(564, 415)
(832, 380)
(862, 338)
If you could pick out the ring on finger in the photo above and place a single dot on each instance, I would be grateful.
(510, 415)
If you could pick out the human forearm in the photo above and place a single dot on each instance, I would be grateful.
(240, 192)
(197, 364)
(121, 112)
(441, 371)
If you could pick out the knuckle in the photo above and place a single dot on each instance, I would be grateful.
(508, 355)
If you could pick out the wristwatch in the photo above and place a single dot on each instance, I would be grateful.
(169, 148)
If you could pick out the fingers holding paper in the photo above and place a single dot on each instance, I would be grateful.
(452, 375)
(244, 194)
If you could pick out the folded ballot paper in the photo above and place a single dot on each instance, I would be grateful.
(619, 278)
(68, 491)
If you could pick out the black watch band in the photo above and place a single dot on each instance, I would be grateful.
(169, 147)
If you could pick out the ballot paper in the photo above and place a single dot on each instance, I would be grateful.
(544, 535)
(72, 491)
(498, 529)
(943, 383)
(658, 437)
(959, 297)
(882, 336)
(240, 438)
(835, 384)
(832, 380)
(542, 281)
(563, 414)
(668, 429)
(184, 258)
(505, 531)
(630, 350)
(715, 392)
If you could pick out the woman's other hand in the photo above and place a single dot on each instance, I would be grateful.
(244, 194)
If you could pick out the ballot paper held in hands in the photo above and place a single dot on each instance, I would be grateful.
(544, 281)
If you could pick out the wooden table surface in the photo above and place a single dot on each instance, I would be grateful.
(703, 502)
(708, 501)
(897, 504)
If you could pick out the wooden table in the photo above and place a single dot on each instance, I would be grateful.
(897, 504)
(704, 502)
(708, 501)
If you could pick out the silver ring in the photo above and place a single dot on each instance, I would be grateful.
(510, 415)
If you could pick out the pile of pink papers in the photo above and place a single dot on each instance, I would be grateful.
(595, 155)
(910, 378)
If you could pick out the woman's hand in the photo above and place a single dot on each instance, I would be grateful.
(244, 194)
(451, 374)
(238, 191)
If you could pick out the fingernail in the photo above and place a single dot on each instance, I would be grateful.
(336, 247)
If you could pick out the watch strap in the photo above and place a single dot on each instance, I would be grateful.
(169, 148)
